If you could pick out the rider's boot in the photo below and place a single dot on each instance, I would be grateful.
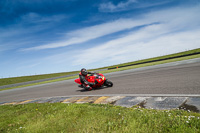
(87, 87)
(81, 86)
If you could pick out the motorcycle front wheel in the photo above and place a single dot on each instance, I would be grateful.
(108, 83)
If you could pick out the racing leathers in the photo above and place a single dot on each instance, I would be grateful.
(85, 84)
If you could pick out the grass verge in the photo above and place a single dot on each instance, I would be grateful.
(59, 117)
(166, 57)
(151, 64)
(44, 82)
(14, 80)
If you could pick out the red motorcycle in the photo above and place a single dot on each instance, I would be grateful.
(99, 80)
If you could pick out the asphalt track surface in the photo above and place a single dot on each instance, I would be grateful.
(171, 78)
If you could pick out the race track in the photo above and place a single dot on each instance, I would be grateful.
(171, 78)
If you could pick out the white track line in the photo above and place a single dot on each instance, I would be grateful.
(139, 95)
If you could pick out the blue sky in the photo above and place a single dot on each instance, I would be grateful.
(50, 36)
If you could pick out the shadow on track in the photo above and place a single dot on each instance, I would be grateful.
(83, 90)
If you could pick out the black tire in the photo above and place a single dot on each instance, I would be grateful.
(108, 83)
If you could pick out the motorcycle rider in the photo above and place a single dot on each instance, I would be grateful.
(83, 78)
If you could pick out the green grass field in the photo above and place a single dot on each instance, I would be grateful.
(7, 81)
(86, 118)
(157, 58)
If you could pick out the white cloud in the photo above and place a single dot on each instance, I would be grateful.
(27, 30)
(139, 46)
(93, 32)
(38, 19)
(174, 17)
(178, 30)
(129, 5)
(110, 7)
